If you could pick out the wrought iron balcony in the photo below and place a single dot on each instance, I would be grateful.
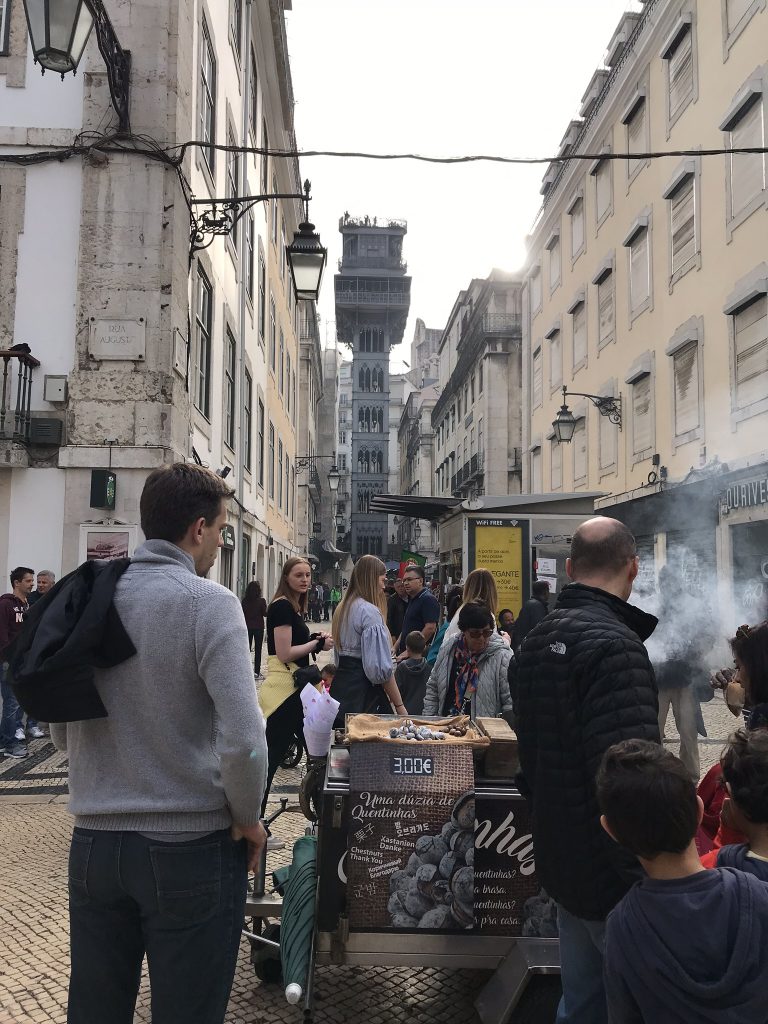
(15, 420)
(372, 263)
(502, 323)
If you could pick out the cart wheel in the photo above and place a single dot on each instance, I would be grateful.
(265, 960)
(293, 755)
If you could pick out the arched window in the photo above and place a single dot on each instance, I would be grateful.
(362, 379)
(367, 378)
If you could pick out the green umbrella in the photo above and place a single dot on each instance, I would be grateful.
(298, 920)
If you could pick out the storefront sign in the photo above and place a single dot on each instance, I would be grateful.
(228, 536)
(746, 494)
(501, 546)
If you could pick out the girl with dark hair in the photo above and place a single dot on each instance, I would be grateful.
(289, 646)
(255, 610)
(470, 674)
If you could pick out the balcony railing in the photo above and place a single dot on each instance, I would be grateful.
(15, 419)
(372, 263)
(502, 323)
(348, 221)
(366, 298)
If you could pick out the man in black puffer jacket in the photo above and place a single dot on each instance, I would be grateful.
(582, 682)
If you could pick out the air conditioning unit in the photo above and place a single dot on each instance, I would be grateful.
(45, 430)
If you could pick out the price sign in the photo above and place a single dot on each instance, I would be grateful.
(411, 765)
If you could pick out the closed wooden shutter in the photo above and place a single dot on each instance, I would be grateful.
(603, 189)
(747, 169)
(577, 227)
(605, 301)
(683, 224)
(536, 471)
(641, 414)
(537, 378)
(580, 450)
(554, 264)
(680, 70)
(579, 334)
(686, 371)
(608, 439)
(636, 136)
(536, 291)
(639, 270)
(751, 340)
(556, 463)
(555, 360)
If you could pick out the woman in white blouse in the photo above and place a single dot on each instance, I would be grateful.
(365, 675)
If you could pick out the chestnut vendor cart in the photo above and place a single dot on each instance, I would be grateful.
(367, 909)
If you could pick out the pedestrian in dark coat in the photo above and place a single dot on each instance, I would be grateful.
(582, 682)
(531, 614)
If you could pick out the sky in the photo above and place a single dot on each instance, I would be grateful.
(440, 78)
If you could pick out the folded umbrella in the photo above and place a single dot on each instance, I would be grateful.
(298, 920)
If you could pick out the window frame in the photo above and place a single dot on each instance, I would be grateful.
(262, 315)
(555, 330)
(685, 28)
(599, 165)
(639, 102)
(751, 94)
(641, 227)
(759, 405)
(577, 202)
(535, 275)
(731, 36)
(201, 398)
(579, 303)
(687, 177)
(248, 417)
(264, 157)
(606, 428)
(642, 369)
(271, 462)
(232, 186)
(236, 29)
(250, 256)
(5, 28)
(253, 98)
(607, 269)
(538, 351)
(553, 244)
(272, 334)
(207, 97)
(260, 432)
(581, 424)
(555, 445)
(230, 388)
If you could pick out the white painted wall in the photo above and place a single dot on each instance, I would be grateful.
(47, 269)
(36, 521)
(46, 101)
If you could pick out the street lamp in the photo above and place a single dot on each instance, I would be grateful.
(306, 256)
(58, 32)
(564, 424)
(308, 462)
(417, 534)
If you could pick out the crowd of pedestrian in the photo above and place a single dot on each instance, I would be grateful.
(16, 728)
(661, 888)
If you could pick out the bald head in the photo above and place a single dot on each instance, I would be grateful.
(603, 553)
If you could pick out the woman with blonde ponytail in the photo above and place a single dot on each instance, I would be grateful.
(365, 676)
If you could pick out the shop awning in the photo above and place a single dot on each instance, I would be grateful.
(413, 506)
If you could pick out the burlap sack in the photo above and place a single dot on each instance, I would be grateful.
(365, 728)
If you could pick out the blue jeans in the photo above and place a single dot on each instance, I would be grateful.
(180, 903)
(581, 958)
(12, 713)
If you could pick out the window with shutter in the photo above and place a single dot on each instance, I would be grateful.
(556, 464)
(680, 73)
(555, 360)
(554, 264)
(686, 373)
(747, 170)
(536, 471)
(750, 328)
(537, 391)
(603, 189)
(579, 334)
(577, 228)
(639, 271)
(580, 450)
(606, 304)
(682, 227)
(536, 291)
(641, 414)
(636, 138)
(607, 440)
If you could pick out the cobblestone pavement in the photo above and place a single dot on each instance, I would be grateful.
(34, 837)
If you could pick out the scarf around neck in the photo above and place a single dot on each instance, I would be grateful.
(466, 678)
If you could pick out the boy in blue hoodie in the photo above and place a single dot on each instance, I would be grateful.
(745, 771)
(685, 944)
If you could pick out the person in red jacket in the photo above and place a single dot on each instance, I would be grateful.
(13, 608)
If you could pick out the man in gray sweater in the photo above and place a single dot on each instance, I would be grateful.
(166, 790)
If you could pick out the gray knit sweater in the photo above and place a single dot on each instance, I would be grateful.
(182, 748)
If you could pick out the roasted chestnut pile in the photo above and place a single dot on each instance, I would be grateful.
(436, 887)
(410, 731)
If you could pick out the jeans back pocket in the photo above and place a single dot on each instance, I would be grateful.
(77, 875)
(187, 882)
